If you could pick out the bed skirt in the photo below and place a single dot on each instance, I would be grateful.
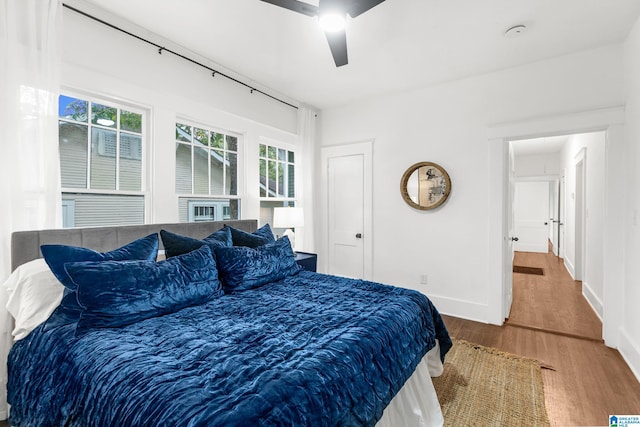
(416, 404)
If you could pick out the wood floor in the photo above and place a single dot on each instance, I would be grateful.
(551, 321)
(552, 302)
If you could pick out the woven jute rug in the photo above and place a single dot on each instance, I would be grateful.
(482, 386)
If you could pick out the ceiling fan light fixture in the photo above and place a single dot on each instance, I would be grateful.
(332, 17)
(332, 22)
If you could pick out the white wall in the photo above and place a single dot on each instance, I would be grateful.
(592, 277)
(102, 61)
(630, 328)
(448, 124)
(537, 165)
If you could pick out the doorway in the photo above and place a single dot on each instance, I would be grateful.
(611, 121)
(577, 276)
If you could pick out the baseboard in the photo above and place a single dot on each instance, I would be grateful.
(592, 299)
(460, 308)
(570, 268)
(630, 352)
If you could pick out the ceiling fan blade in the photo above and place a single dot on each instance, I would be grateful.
(357, 7)
(338, 45)
(296, 6)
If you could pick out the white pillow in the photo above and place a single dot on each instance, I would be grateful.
(34, 292)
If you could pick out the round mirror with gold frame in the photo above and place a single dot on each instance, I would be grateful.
(425, 185)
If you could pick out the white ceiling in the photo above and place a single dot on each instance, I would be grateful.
(396, 46)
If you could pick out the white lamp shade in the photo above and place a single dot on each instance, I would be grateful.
(288, 217)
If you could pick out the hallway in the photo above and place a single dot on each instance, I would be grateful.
(550, 320)
(552, 302)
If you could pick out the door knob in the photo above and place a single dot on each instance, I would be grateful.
(359, 236)
(546, 223)
(515, 239)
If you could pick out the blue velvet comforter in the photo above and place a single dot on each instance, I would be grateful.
(310, 349)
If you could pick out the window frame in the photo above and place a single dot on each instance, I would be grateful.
(278, 145)
(280, 201)
(239, 141)
(120, 105)
(199, 198)
(145, 149)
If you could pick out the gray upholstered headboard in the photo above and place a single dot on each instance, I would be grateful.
(25, 245)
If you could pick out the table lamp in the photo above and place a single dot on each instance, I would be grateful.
(288, 218)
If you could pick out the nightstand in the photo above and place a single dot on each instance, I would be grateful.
(307, 261)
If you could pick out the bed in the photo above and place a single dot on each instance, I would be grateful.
(216, 335)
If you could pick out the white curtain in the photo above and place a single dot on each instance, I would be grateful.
(307, 130)
(29, 162)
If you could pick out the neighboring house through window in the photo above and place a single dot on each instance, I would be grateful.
(277, 180)
(101, 162)
(206, 173)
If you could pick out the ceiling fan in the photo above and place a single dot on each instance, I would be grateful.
(332, 15)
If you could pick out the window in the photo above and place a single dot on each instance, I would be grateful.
(68, 213)
(277, 172)
(277, 181)
(208, 210)
(101, 162)
(207, 168)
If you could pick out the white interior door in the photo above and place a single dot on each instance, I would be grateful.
(580, 216)
(561, 215)
(532, 216)
(509, 236)
(554, 217)
(346, 214)
(348, 193)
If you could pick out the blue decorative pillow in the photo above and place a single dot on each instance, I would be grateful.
(66, 313)
(176, 244)
(57, 256)
(261, 236)
(113, 294)
(243, 268)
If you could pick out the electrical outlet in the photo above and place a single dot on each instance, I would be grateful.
(424, 279)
